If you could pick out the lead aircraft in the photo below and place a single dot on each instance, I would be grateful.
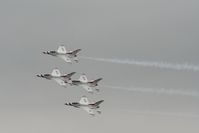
(67, 56)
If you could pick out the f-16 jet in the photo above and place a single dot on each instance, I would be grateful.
(67, 56)
(87, 85)
(90, 108)
(57, 77)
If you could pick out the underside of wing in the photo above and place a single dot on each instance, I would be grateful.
(60, 82)
(89, 110)
(88, 88)
(65, 58)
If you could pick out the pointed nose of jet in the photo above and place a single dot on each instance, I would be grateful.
(68, 104)
(39, 75)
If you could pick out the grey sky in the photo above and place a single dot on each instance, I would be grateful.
(154, 30)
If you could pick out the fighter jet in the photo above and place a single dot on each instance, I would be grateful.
(87, 85)
(57, 77)
(67, 56)
(90, 108)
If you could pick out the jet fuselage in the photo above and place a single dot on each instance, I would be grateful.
(77, 82)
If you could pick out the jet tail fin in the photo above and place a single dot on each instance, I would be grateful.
(97, 80)
(69, 75)
(99, 102)
(76, 51)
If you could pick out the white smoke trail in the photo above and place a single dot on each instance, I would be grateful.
(157, 91)
(167, 114)
(165, 65)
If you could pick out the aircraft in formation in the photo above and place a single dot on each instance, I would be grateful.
(67, 56)
(84, 104)
(65, 79)
(57, 77)
(87, 85)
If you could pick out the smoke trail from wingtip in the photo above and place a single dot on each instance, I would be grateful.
(163, 65)
(157, 91)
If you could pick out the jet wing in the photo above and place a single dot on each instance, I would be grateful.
(87, 88)
(65, 58)
(89, 111)
(60, 82)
